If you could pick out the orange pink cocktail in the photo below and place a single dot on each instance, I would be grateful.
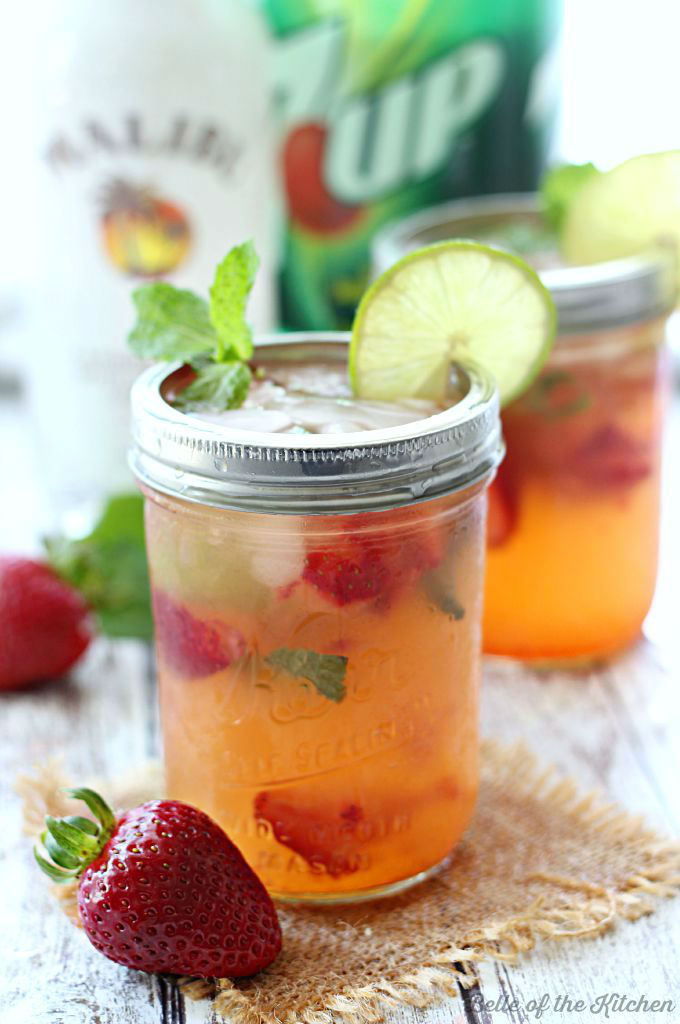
(318, 631)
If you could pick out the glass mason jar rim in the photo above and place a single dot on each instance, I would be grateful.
(211, 463)
(587, 297)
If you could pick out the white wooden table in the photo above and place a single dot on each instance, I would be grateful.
(617, 728)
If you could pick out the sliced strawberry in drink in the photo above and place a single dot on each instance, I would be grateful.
(612, 459)
(193, 647)
(377, 560)
(346, 575)
(327, 838)
(501, 515)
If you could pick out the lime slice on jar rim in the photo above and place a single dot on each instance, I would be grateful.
(458, 301)
(625, 210)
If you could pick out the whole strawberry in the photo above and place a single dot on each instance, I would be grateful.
(163, 889)
(44, 623)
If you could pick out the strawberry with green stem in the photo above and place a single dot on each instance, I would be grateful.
(162, 888)
(50, 609)
(45, 626)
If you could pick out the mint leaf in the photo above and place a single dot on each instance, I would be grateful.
(171, 323)
(218, 386)
(557, 394)
(109, 568)
(325, 671)
(558, 188)
(441, 594)
(233, 282)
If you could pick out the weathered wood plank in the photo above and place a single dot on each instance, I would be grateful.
(49, 970)
(636, 961)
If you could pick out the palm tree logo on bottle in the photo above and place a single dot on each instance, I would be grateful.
(144, 235)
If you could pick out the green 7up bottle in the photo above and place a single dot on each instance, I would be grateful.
(386, 106)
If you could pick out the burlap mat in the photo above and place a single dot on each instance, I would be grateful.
(540, 861)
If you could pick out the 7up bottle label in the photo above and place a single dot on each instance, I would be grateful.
(386, 106)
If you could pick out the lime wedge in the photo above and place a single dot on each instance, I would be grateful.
(626, 210)
(455, 300)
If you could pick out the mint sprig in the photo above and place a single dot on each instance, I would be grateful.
(326, 672)
(173, 323)
(109, 568)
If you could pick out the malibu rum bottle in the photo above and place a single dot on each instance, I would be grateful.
(153, 138)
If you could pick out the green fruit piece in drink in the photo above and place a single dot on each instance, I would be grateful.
(207, 574)
(625, 211)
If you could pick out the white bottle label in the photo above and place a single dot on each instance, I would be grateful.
(151, 167)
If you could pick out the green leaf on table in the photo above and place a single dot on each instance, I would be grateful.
(325, 671)
(171, 323)
(109, 568)
(217, 386)
(234, 279)
(122, 519)
(558, 188)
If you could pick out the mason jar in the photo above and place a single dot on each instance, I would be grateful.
(573, 521)
(317, 601)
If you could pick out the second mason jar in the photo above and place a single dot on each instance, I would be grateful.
(317, 602)
(574, 512)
